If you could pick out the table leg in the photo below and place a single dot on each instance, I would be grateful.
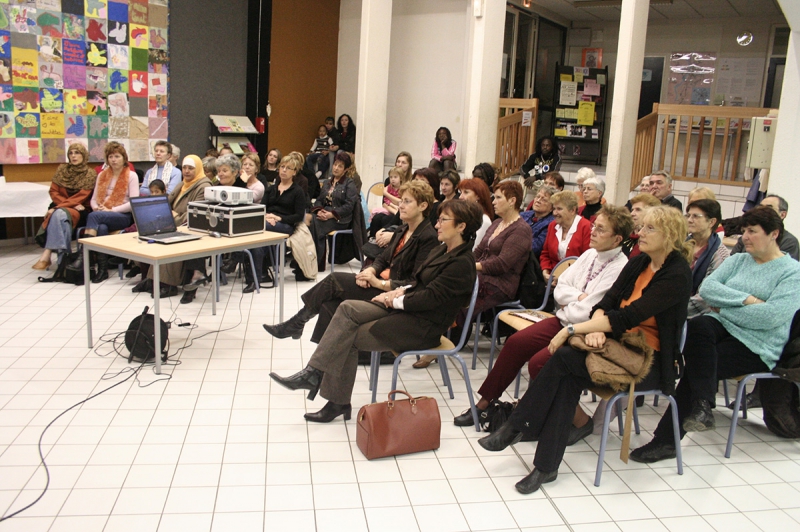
(157, 314)
(87, 283)
(25, 226)
(214, 281)
(282, 251)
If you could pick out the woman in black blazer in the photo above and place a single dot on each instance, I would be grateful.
(651, 294)
(410, 317)
(393, 268)
(333, 210)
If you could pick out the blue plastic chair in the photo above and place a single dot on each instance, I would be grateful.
(445, 349)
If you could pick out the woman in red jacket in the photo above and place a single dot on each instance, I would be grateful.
(568, 234)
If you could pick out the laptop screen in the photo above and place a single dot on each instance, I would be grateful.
(152, 215)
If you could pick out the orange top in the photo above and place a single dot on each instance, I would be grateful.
(648, 326)
(385, 273)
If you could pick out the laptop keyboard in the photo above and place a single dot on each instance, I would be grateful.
(165, 236)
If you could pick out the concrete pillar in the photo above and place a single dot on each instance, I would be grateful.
(373, 87)
(482, 82)
(625, 103)
(783, 171)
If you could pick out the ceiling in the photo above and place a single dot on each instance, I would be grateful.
(679, 9)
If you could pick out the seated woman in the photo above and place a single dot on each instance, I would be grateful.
(753, 298)
(347, 135)
(499, 258)
(485, 172)
(429, 175)
(592, 190)
(539, 217)
(580, 178)
(250, 176)
(285, 207)
(71, 192)
(392, 269)
(270, 168)
(579, 289)
(210, 169)
(650, 295)
(412, 317)
(334, 207)
(443, 152)
(111, 205)
(568, 234)
(545, 159)
(448, 186)
(703, 217)
(476, 191)
(639, 205)
(228, 168)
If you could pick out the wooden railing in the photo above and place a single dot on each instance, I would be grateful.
(704, 144)
(515, 142)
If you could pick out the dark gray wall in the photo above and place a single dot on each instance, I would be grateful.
(208, 62)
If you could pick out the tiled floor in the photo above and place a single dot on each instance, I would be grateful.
(218, 447)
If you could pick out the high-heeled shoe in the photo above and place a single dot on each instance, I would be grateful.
(249, 289)
(41, 265)
(188, 296)
(308, 379)
(501, 438)
(292, 327)
(330, 412)
(198, 282)
(423, 362)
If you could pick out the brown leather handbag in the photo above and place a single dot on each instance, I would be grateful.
(398, 427)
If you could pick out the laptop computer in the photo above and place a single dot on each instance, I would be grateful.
(153, 218)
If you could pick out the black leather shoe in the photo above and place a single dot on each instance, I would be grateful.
(143, 286)
(501, 438)
(535, 480)
(309, 379)
(576, 434)
(188, 296)
(229, 266)
(701, 418)
(330, 412)
(100, 276)
(133, 272)
(465, 419)
(653, 452)
(167, 291)
(249, 289)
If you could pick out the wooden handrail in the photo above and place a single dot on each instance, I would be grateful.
(683, 148)
(514, 142)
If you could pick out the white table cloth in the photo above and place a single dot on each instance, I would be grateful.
(24, 200)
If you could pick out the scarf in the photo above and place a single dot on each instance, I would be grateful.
(76, 176)
(117, 196)
(167, 171)
(198, 174)
(704, 261)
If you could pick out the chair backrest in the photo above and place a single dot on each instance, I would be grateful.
(468, 320)
(375, 196)
(559, 268)
(682, 341)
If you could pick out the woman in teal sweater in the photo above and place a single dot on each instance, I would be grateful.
(754, 297)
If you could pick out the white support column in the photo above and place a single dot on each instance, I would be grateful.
(625, 103)
(783, 172)
(482, 82)
(373, 87)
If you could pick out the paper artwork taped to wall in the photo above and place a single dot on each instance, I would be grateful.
(87, 71)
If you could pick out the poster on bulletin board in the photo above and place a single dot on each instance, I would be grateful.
(87, 71)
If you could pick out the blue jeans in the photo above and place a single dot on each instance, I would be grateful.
(320, 159)
(105, 221)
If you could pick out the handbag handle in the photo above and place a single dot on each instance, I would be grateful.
(390, 403)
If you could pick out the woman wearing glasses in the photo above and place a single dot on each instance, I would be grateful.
(413, 316)
(392, 269)
(650, 295)
(703, 217)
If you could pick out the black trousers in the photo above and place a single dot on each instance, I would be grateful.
(711, 354)
(326, 296)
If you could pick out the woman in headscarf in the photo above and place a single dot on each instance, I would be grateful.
(71, 192)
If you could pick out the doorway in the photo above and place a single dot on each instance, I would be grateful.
(650, 93)
(518, 44)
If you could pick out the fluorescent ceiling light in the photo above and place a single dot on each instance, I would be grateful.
(613, 3)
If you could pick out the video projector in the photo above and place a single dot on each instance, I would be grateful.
(229, 195)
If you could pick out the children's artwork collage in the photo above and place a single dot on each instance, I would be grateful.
(86, 71)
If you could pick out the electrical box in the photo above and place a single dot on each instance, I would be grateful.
(762, 138)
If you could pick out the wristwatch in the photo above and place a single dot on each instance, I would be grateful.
(570, 329)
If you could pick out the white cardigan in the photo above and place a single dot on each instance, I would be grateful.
(570, 284)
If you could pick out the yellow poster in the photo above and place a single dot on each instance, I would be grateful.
(566, 77)
(585, 113)
(52, 125)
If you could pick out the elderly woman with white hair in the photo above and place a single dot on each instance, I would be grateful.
(580, 178)
(593, 189)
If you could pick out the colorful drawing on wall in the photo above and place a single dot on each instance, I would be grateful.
(86, 71)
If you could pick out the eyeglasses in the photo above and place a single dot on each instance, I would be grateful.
(647, 229)
(442, 220)
(694, 216)
(407, 201)
(599, 230)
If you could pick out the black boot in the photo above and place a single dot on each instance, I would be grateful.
(133, 272)
(501, 438)
(292, 327)
(102, 268)
(145, 285)
(309, 379)
(228, 266)
(701, 418)
(188, 296)
(330, 412)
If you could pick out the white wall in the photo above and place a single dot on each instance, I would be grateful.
(347, 74)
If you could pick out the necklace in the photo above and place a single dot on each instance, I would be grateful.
(502, 227)
(591, 276)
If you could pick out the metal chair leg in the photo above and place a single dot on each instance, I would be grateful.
(445, 374)
(475, 344)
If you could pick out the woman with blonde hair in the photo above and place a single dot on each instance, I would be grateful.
(650, 297)
(250, 176)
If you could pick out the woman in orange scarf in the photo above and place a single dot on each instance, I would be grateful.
(111, 206)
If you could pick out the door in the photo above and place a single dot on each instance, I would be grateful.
(772, 94)
(518, 43)
(650, 93)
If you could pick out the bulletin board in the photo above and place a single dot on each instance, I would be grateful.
(87, 71)
(691, 77)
